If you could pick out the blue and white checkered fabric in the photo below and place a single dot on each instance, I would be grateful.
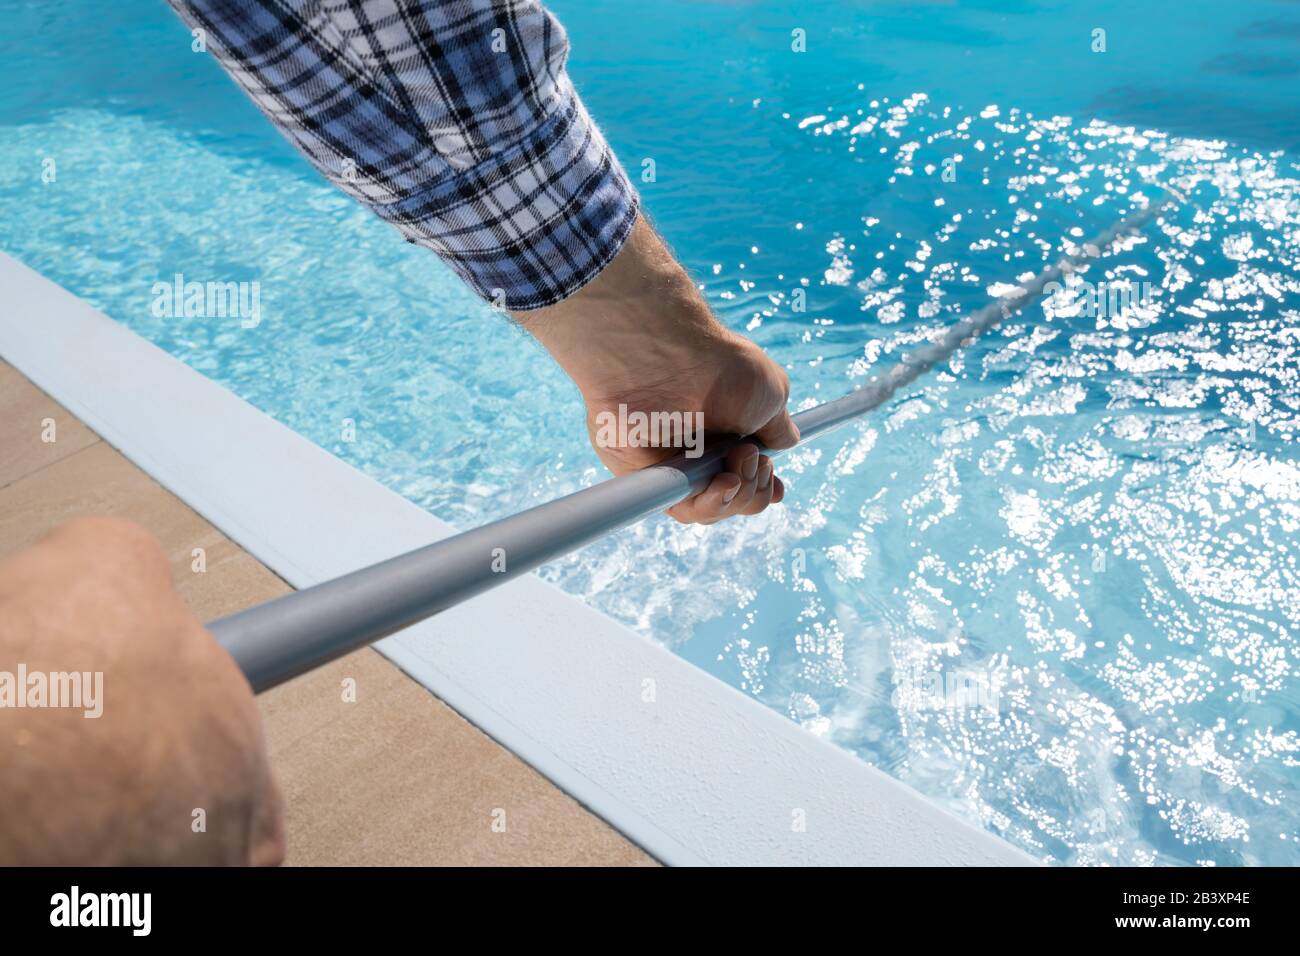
(454, 120)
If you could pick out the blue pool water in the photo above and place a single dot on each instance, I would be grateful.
(1054, 586)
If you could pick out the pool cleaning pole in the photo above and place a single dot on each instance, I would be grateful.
(290, 635)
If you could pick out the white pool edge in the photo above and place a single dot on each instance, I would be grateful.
(701, 774)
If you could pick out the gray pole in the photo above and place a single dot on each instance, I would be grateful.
(290, 635)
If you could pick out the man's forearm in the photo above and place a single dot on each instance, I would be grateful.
(642, 313)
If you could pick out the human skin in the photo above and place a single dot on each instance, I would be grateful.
(640, 334)
(179, 731)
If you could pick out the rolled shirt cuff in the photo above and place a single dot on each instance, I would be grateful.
(531, 225)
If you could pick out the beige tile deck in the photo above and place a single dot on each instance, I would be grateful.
(396, 777)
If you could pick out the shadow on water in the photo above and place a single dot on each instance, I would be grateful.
(1182, 113)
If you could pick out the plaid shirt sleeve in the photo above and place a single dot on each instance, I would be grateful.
(454, 120)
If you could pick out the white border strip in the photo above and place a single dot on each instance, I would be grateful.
(704, 775)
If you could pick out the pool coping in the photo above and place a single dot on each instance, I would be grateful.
(687, 767)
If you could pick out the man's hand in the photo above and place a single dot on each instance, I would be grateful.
(641, 336)
(174, 769)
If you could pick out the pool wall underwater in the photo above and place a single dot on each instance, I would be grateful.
(696, 773)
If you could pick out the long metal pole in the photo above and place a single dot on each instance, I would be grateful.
(290, 635)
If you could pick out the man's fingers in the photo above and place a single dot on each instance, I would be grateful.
(727, 493)
(743, 460)
(711, 504)
(780, 432)
(746, 486)
(762, 496)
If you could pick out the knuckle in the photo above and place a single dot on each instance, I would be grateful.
(117, 533)
(114, 547)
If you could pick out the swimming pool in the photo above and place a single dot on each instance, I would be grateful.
(1053, 587)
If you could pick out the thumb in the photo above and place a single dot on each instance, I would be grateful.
(780, 432)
